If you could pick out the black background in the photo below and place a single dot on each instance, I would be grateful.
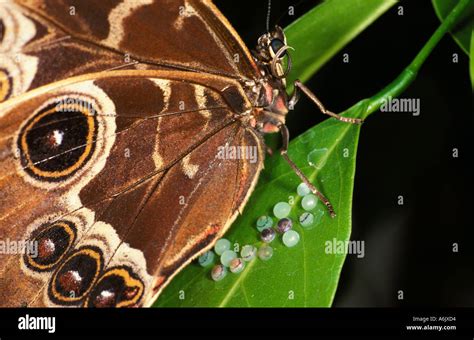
(407, 247)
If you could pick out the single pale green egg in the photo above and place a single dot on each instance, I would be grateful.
(291, 238)
(264, 222)
(227, 256)
(306, 219)
(248, 253)
(303, 189)
(221, 246)
(206, 259)
(309, 202)
(265, 252)
(281, 209)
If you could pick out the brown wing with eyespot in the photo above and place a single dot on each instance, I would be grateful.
(45, 41)
(118, 180)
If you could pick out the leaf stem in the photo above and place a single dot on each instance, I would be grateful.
(408, 75)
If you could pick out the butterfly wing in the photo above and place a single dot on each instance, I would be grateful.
(44, 41)
(119, 180)
(33, 52)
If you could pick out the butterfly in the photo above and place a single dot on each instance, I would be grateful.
(112, 122)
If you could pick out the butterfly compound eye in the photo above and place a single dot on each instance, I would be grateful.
(278, 50)
(276, 45)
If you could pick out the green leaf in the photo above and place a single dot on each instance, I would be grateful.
(319, 34)
(462, 31)
(471, 63)
(304, 275)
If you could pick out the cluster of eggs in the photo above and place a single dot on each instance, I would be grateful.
(230, 260)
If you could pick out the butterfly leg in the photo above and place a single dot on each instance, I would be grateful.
(284, 153)
(299, 86)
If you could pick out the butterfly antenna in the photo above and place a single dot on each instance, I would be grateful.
(285, 13)
(269, 10)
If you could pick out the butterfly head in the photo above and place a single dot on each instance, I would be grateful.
(272, 52)
(273, 58)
